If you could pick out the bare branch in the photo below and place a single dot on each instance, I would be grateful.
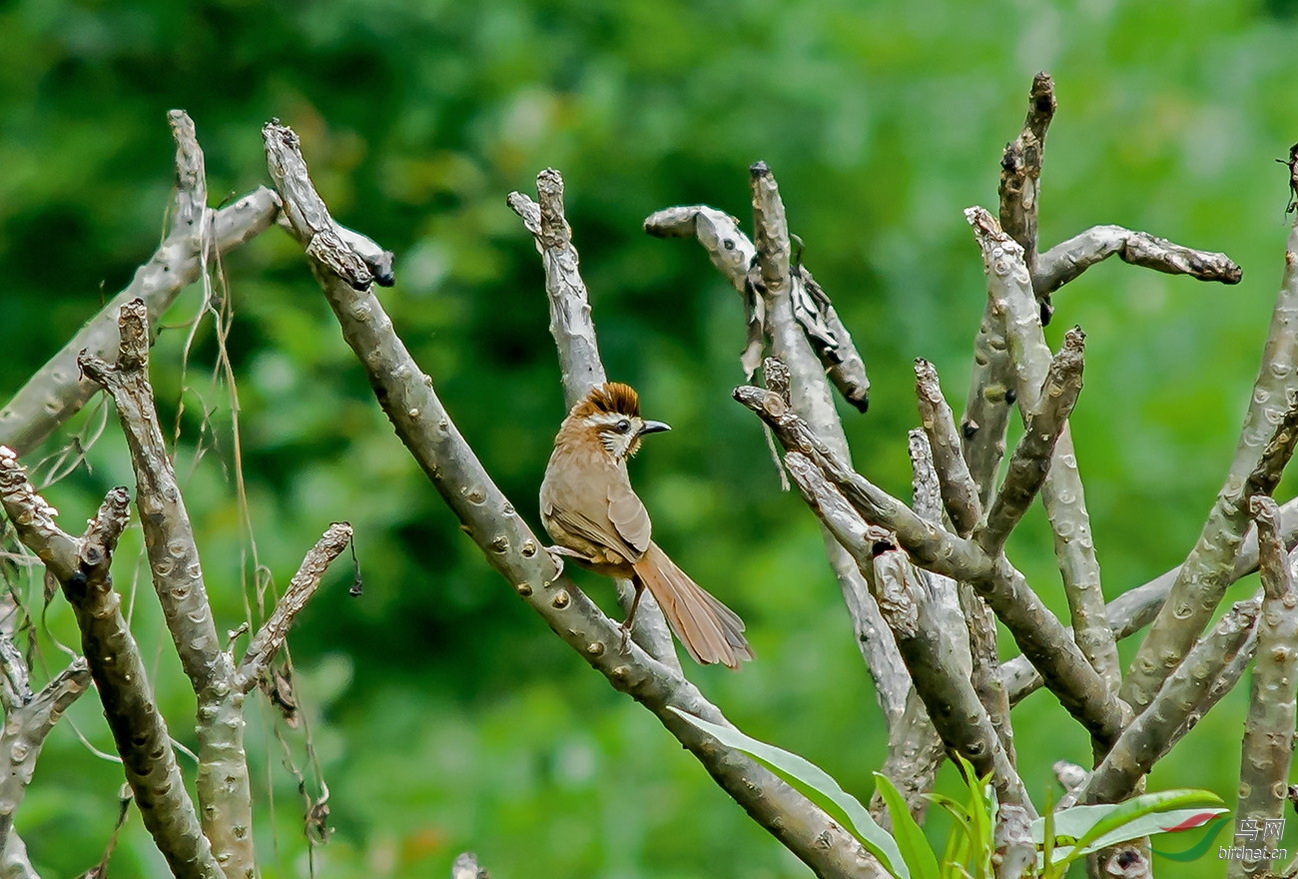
(1015, 850)
(1068, 259)
(168, 532)
(407, 397)
(580, 366)
(1136, 608)
(930, 656)
(14, 863)
(25, 728)
(1039, 635)
(1151, 733)
(1021, 169)
(991, 385)
(1031, 459)
(223, 785)
(570, 323)
(1264, 447)
(29, 717)
(962, 498)
(810, 397)
(960, 494)
(1267, 752)
(55, 393)
(81, 567)
(270, 637)
(987, 409)
(1062, 494)
(733, 254)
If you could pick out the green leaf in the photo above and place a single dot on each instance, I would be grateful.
(875, 839)
(1099, 826)
(911, 839)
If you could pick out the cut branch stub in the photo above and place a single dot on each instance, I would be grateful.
(305, 210)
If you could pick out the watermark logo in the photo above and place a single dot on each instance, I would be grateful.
(1256, 839)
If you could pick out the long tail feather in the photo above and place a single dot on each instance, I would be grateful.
(710, 631)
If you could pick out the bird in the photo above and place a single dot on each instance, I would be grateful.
(595, 518)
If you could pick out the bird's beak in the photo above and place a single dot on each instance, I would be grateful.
(654, 427)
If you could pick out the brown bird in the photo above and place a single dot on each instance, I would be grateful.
(591, 511)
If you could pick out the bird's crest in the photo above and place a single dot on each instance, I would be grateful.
(610, 398)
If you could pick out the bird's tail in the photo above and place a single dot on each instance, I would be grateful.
(710, 631)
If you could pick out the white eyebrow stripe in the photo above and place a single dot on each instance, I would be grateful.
(609, 418)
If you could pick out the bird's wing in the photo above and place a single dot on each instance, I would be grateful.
(598, 536)
(628, 516)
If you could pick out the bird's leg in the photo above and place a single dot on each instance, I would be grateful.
(630, 617)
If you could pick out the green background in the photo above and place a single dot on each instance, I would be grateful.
(440, 712)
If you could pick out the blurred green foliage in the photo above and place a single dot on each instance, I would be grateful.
(442, 715)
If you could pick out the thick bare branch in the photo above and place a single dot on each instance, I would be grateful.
(991, 385)
(223, 785)
(270, 637)
(81, 567)
(953, 705)
(407, 397)
(55, 393)
(1136, 608)
(987, 409)
(1015, 850)
(915, 750)
(1265, 444)
(961, 497)
(1267, 752)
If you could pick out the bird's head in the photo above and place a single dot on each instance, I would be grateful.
(610, 415)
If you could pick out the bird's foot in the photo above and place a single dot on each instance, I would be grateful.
(559, 553)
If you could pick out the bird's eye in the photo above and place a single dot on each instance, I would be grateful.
(622, 426)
